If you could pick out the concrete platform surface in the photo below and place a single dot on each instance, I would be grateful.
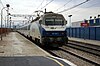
(15, 44)
(94, 42)
(16, 50)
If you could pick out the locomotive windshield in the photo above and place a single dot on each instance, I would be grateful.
(54, 21)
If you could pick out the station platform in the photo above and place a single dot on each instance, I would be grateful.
(16, 50)
(93, 42)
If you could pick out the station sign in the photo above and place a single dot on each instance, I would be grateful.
(84, 24)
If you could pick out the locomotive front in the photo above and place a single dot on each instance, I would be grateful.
(53, 30)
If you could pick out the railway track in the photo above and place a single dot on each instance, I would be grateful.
(91, 46)
(92, 49)
(80, 54)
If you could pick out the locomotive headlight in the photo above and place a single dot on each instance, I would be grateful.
(59, 39)
(47, 33)
(54, 33)
(62, 33)
(46, 27)
(51, 39)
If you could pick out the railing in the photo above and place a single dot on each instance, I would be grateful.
(4, 30)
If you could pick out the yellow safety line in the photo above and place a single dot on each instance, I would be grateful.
(55, 61)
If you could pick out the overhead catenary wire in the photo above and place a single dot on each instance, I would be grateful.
(47, 4)
(40, 4)
(43, 6)
(86, 7)
(73, 6)
(1, 3)
(2, 6)
(63, 5)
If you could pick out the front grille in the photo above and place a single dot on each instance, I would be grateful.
(53, 39)
(54, 33)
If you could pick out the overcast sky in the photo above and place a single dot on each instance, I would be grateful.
(91, 8)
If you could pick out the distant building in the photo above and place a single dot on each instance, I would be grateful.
(92, 22)
(76, 24)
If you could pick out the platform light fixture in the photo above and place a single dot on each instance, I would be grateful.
(7, 6)
(95, 19)
(90, 17)
(98, 16)
(70, 20)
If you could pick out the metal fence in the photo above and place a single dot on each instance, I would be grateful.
(4, 30)
(92, 33)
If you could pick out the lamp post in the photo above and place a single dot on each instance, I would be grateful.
(10, 23)
(70, 23)
(5, 22)
(95, 19)
(90, 17)
(70, 20)
(7, 6)
(5, 26)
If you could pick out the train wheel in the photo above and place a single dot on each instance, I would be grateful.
(37, 40)
(27, 36)
(66, 40)
(30, 38)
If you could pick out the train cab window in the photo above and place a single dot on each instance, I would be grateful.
(54, 21)
(49, 21)
(59, 21)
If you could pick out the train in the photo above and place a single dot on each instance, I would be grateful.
(48, 29)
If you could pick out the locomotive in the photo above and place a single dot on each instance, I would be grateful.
(48, 30)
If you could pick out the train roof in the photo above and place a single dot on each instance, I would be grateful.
(51, 13)
(46, 14)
